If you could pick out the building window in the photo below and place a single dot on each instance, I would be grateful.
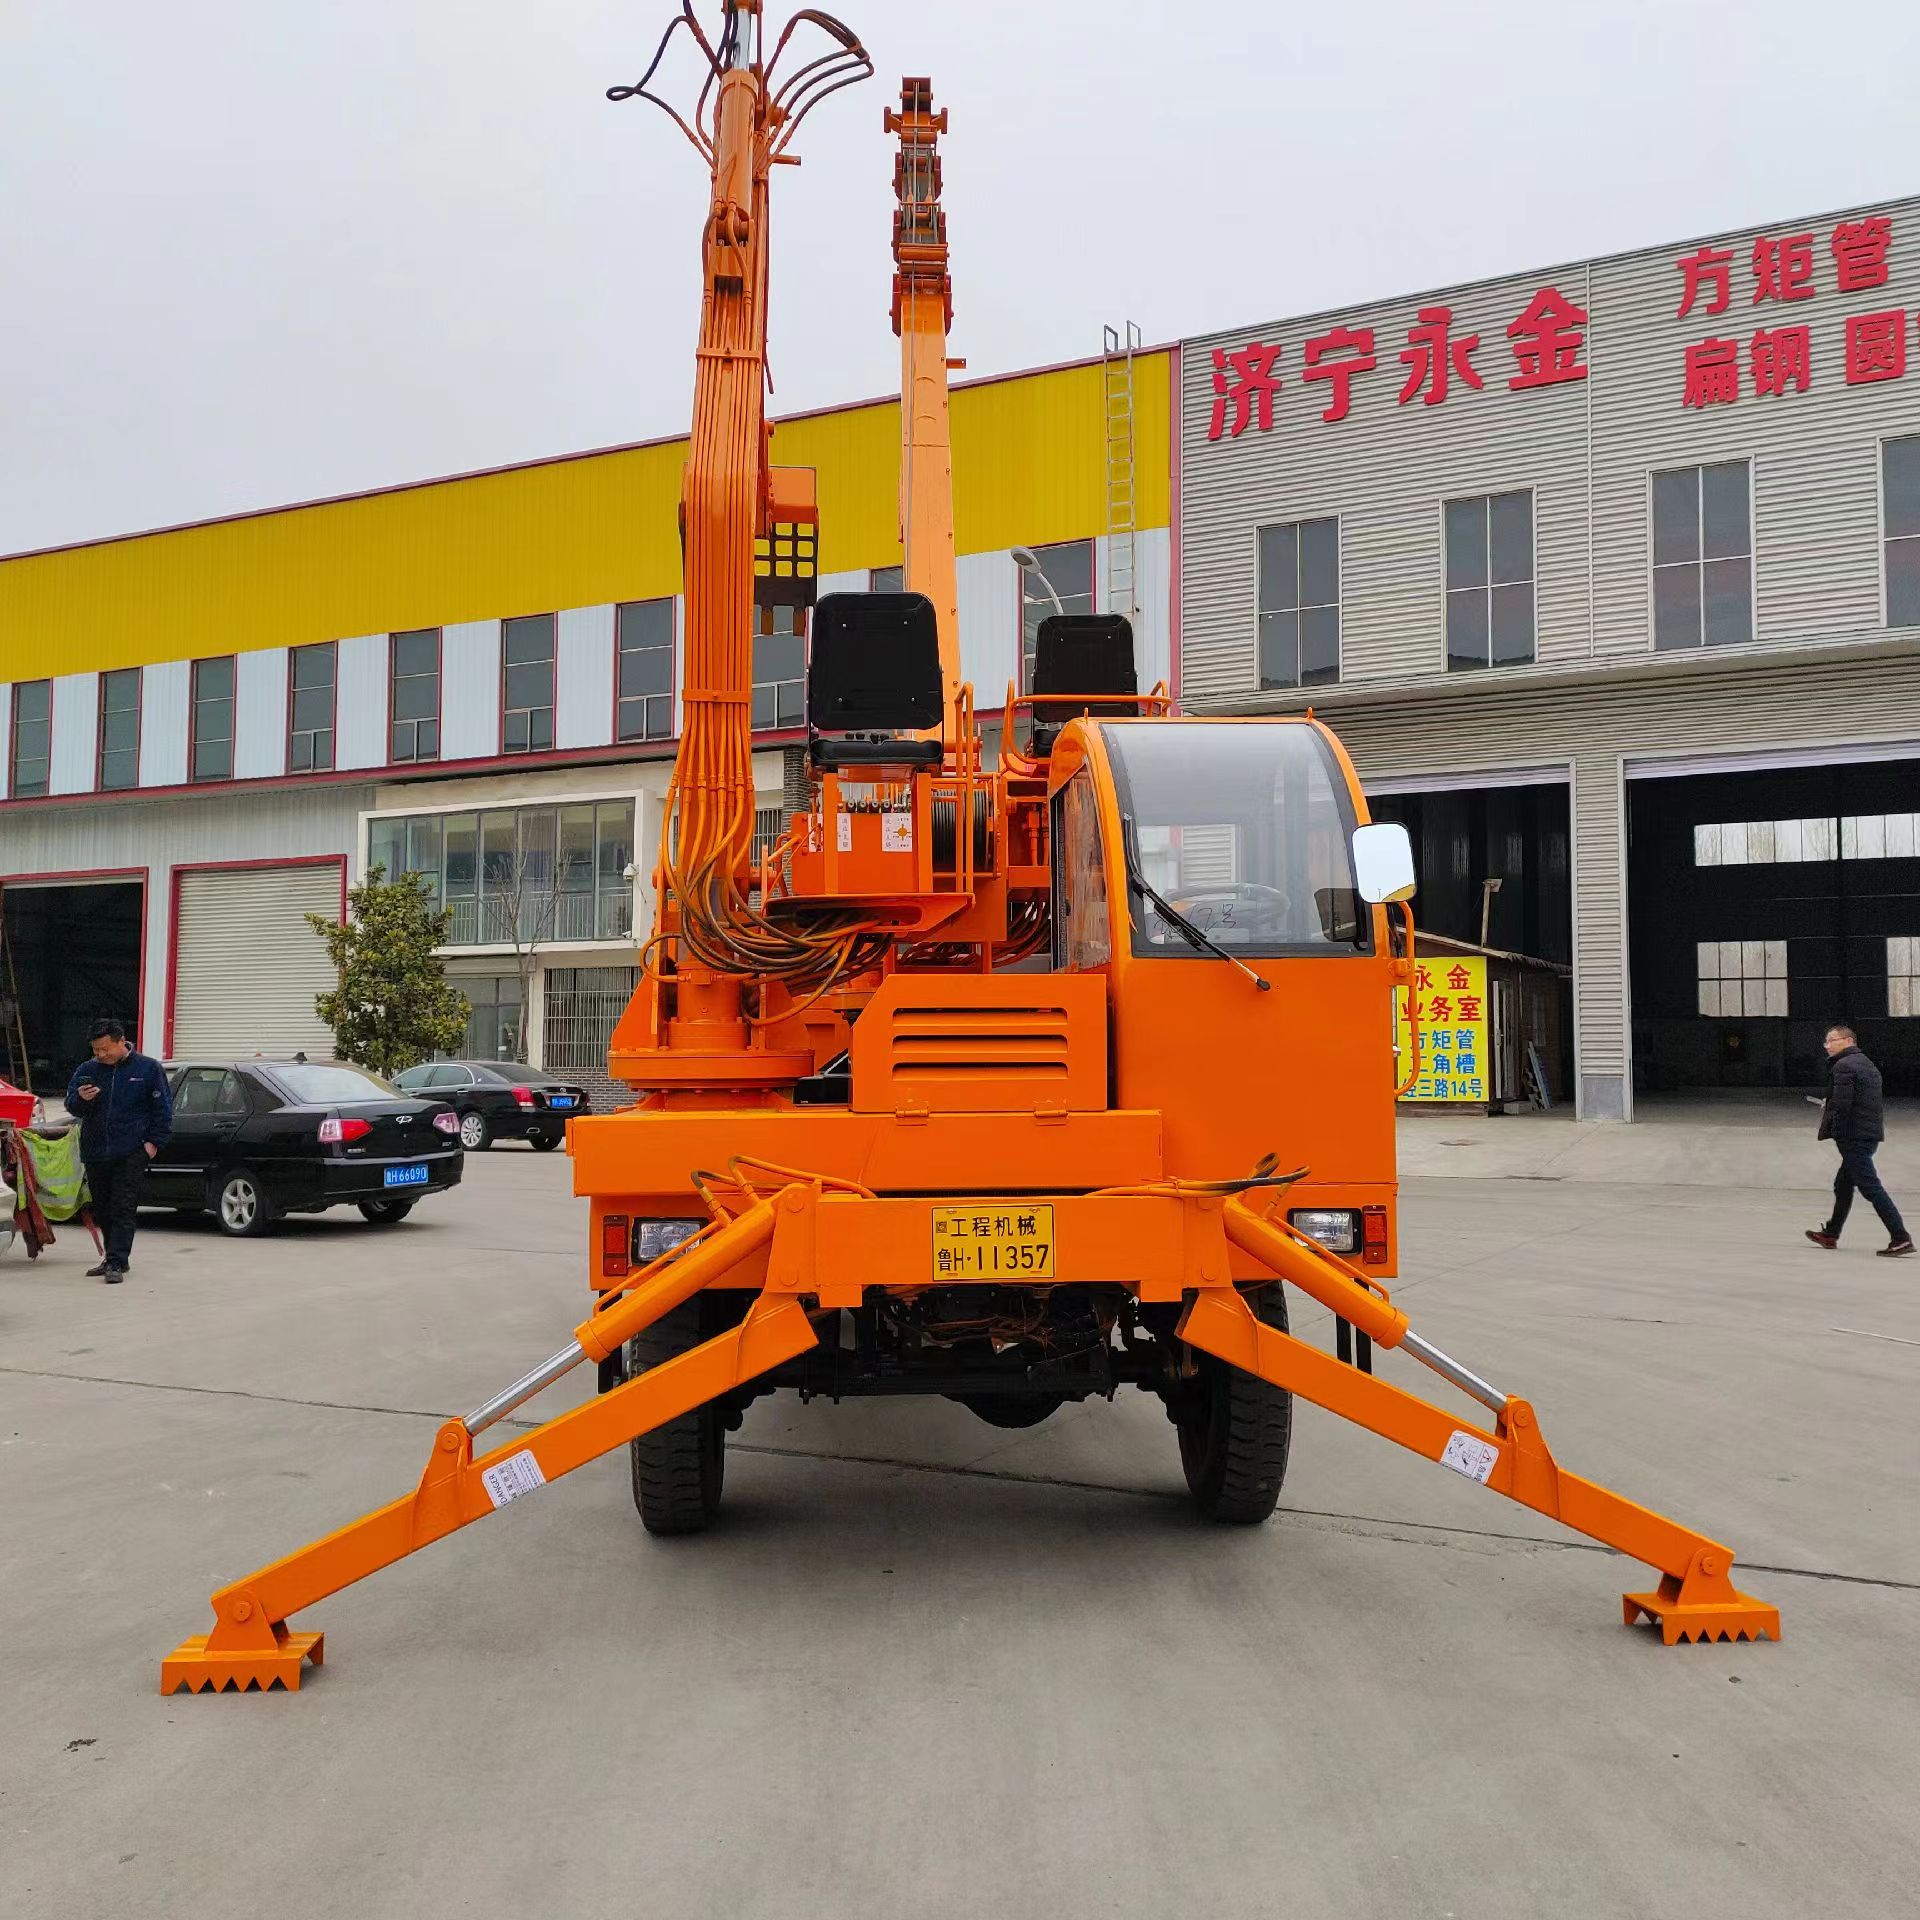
(1761, 843)
(779, 672)
(119, 745)
(310, 709)
(1299, 594)
(1702, 556)
(1903, 978)
(1067, 568)
(643, 631)
(584, 1005)
(1489, 581)
(495, 1024)
(526, 724)
(414, 696)
(211, 755)
(538, 875)
(887, 580)
(32, 758)
(1900, 509)
(1879, 836)
(1743, 979)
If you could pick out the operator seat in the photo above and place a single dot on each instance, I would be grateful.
(1088, 653)
(874, 682)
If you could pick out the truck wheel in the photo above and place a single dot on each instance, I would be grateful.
(678, 1469)
(1234, 1433)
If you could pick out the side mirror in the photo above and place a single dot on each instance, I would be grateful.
(1383, 863)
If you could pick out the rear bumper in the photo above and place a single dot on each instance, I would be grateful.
(336, 1183)
(534, 1123)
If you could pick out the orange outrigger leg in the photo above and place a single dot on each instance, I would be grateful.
(784, 1242)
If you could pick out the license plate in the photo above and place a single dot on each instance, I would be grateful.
(993, 1243)
(413, 1176)
(559, 1099)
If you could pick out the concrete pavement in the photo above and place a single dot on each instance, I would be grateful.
(931, 1668)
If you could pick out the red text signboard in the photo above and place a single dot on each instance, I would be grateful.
(1547, 338)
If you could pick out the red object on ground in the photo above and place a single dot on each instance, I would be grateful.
(15, 1106)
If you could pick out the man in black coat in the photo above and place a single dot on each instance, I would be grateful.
(1853, 1117)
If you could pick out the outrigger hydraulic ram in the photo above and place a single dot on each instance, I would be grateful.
(787, 1244)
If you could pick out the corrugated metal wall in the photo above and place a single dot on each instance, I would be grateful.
(583, 715)
(165, 691)
(158, 835)
(360, 701)
(1586, 451)
(76, 720)
(586, 530)
(470, 690)
(260, 715)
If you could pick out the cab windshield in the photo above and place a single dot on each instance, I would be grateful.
(1245, 829)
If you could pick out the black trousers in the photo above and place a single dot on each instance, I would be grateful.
(115, 1185)
(1857, 1172)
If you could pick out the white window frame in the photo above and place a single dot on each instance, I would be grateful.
(1489, 492)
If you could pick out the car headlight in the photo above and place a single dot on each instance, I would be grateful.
(1336, 1228)
(652, 1238)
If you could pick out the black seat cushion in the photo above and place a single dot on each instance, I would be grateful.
(875, 665)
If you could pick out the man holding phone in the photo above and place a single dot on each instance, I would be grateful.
(126, 1117)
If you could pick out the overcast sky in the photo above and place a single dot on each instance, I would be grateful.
(257, 253)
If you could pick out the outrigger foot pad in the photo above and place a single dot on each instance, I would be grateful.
(1704, 1605)
(193, 1666)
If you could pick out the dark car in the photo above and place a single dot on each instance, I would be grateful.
(253, 1139)
(497, 1100)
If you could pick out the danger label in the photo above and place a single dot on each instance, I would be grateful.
(517, 1474)
(1468, 1454)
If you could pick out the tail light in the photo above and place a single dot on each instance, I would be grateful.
(1373, 1236)
(335, 1132)
(615, 1262)
(523, 1096)
(447, 1121)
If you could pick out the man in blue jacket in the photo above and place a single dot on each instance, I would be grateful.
(126, 1116)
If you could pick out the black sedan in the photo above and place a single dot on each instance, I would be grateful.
(253, 1139)
(497, 1100)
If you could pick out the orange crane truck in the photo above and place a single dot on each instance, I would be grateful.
(1016, 1084)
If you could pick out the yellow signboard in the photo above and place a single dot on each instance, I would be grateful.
(1450, 997)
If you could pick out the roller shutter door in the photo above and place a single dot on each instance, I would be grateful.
(247, 965)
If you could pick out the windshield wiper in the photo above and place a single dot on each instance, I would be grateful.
(1174, 918)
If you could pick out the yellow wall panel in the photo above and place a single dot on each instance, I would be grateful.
(1029, 467)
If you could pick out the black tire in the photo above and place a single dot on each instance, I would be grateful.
(545, 1142)
(678, 1469)
(1235, 1432)
(239, 1203)
(1012, 1410)
(385, 1213)
(475, 1135)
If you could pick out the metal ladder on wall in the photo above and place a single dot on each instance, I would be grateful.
(1116, 372)
(13, 1035)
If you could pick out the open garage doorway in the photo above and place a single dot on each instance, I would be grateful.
(77, 952)
(1493, 868)
(1763, 908)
